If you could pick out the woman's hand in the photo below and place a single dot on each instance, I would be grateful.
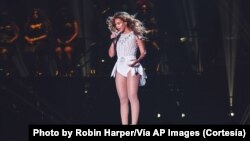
(134, 63)
(30, 41)
(113, 35)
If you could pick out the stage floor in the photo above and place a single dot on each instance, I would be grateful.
(169, 99)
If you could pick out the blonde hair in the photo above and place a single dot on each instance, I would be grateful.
(133, 23)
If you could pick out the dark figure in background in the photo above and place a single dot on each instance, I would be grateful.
(146, 14)
(66, 29)
(9, 33)
(36, 50)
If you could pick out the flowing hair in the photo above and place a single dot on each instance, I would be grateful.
(133, 23)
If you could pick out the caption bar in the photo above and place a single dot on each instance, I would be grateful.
(81, 131)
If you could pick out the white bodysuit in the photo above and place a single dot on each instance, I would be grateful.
(126, 49)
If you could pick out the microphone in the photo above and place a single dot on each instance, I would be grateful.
(118, 34)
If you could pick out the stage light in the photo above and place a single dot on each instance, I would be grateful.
(183, 115)
(158, 67)
(158, 115)
(105, 11)
(183, 39)
(86, 91)
(232, 114)
(93, 71)
(102, 60)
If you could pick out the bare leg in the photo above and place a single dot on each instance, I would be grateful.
(59, 53)
(59, 61)
(68, 50)
(121, 86)
(132, 85)
(4, 54)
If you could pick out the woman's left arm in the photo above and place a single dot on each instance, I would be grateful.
(143, 52)
(16, 30)
(76, 32)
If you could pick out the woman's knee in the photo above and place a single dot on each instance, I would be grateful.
(68, 49)
(4, 51)
(133, 97)
(123, 100)
(58, 50)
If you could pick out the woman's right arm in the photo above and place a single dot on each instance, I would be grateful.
(16, 30)
(112, 46)
(76, 32)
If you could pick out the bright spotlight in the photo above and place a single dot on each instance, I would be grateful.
(232, 114)
(183, 39)
(183, 115)
(158, 115)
